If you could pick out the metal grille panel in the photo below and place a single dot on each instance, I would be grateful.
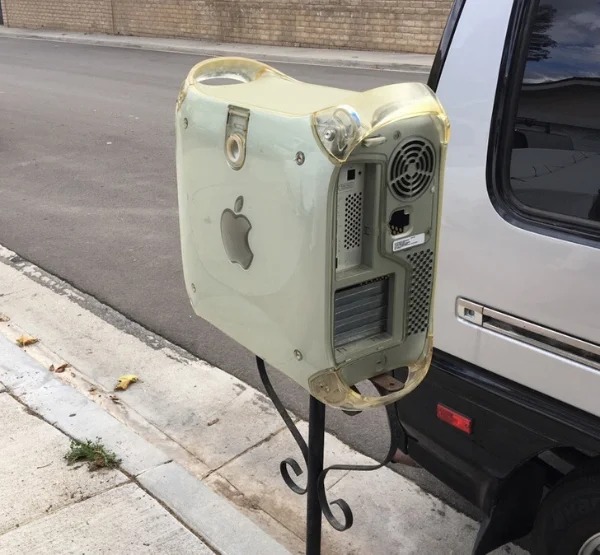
(361, 311)
(353, 206)
(421, 283)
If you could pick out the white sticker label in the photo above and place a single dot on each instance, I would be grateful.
(407, 242)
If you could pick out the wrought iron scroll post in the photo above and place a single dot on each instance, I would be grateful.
(313, 454)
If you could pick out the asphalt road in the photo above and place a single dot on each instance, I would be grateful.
(88, 192)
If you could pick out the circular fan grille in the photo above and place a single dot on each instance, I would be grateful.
(411, 169)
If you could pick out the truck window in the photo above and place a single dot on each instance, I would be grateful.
(555, 156)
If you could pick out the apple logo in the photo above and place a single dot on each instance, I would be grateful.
(235, 228)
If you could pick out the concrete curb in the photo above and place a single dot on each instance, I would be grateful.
(357, 59)
(209, 515)
(202, 509)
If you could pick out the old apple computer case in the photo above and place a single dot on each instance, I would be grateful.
(309, 220)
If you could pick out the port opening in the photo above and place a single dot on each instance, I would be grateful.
(399, 222)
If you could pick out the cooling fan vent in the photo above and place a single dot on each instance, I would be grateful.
(412, 168)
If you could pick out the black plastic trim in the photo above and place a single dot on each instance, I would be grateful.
(512, 424)
(445, 42)
(583, 423)
(510, 77)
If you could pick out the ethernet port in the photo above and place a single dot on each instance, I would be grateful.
(399, 221)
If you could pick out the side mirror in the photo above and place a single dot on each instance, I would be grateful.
(309, 222)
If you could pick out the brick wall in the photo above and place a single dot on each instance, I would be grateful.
(70, 15)
(94, 16)
(395, 25)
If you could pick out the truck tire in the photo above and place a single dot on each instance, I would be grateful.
(568, 522)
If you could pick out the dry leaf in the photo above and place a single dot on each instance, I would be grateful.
(125, 381)
(59, 369)
(4, 318)
(26, 340)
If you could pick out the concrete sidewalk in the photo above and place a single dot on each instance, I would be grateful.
(48, 507)
(389, 61)
(149, 505)
(218, 432)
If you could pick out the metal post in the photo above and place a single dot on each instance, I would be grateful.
(317, 504)
(316, 444)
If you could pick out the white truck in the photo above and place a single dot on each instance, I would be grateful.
(509, 414)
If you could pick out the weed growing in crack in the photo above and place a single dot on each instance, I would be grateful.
(93, 452)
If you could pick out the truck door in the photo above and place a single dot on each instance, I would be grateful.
(518, 289)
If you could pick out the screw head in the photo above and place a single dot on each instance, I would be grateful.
(298, 354)
(185, 123)
(193, 288)
(300, 158)
(329, 134)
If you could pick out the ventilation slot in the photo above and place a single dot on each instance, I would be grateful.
(419, 299)
(411, 169)
(353, 208)
(360, 311)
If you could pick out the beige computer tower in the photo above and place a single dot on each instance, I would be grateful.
(309, 219)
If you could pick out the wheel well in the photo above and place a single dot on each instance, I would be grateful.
(568, 516)
(521, 494)
(563, 461)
